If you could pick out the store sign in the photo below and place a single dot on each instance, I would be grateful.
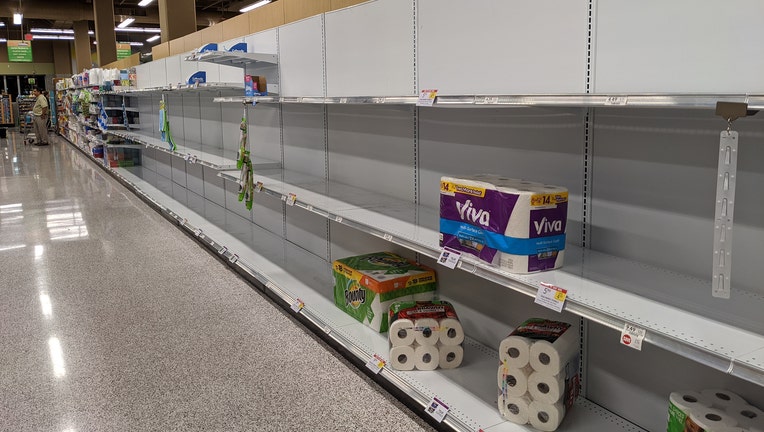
(123, 51)
(19, 51)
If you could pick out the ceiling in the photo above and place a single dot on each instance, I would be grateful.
(61, 14)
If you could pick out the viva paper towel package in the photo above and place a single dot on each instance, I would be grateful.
(538, 375)
(425, 336)
(365, 286)
(516, 224)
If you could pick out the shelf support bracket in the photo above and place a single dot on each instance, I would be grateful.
(725, 199)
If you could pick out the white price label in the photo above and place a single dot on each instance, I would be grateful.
(224, 250)
(270, 285)
(309, 207)
(259, 187)
(437, 410)
(427, 97)
(616, 100)
(490, 100)
(198, 232)
(184, 221)
(449, 258)
(388, 237)
(297, 305)
(343, 100)
(338, 219)
(290, 200)
(375, 364)
(187, 157)
(632, 336)
(378, 100)
(550, 296)
(234, 258)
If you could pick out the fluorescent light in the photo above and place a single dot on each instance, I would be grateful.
(17, 17)
(153, 38)
(53, 37)
(2, 23)
(136, 43)
(254, 5)
(138, 30)
(56, 31)
(144, 3)
(3, 40)
(126, 22)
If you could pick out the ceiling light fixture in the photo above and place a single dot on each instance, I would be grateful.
(17, 17)
(138, 30)
(56, 31)
(52, 37)
(2, 23)
(254, 5)
(3, 40)
(126, 22)
(144, 3)
(153, 38)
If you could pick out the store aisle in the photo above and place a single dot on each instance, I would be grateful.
(112, 319)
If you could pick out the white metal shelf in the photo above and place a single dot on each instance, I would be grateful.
(118, 108)
(236, 58)
(606, 289)
(214, 158)
(183, 88)
(695, 101)
(291, 273)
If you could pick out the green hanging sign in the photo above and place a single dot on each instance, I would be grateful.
(20, 51)
(123, 51)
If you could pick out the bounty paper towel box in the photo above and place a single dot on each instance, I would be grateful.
(365, 286)
(516, 224)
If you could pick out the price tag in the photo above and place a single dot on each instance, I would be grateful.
(343, 100)
(192, 159)
(291, 199)
(224, 250)
(616, 100)
(490, 100)
(297, 305)
(327, 329)
(338, 219)
(234, 258)
(198, 232)
(427, 97)
(187, 157)
(550, 296)
(259, 187)
(184, 221)
(387, 237)
(449, 258)
(309, 207)
(632, 336)
(375, 364)
(437, 409)
(378, 100)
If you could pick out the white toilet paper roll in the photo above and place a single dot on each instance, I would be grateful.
(732, 429)
(403, 358)
(711, 419)
(451, 356)
(689, 400)
(513, 381)
(515, 351)
(517, 409)
(723, 399)
(746, 415)
(451, 332)
(401, 332)
(426, 357)
(551, 357)
(546, 417)
(427, 331)
(546, 388)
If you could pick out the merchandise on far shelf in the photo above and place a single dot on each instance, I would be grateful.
(365, 286)
(538, 376)
(516, 224)
(425, 336)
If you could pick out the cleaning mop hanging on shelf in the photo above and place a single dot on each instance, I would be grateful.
(243, 162)
(164, 124)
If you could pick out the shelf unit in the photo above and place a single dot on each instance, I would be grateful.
(235, 58)
(699, 101)
(189, 88)
(471, 410)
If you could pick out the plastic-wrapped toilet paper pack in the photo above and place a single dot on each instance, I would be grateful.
(366, 286)
(747, 416)
(515, 408)
(402, 357)
(554, 387)
(681, 404)
(709, 420)
(723, 399)
(516, 224)
(432, 329)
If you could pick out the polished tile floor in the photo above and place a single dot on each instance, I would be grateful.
(111, 319)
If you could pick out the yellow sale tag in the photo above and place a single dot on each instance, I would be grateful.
(549, 199)
(560, 295)
(449, 187)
